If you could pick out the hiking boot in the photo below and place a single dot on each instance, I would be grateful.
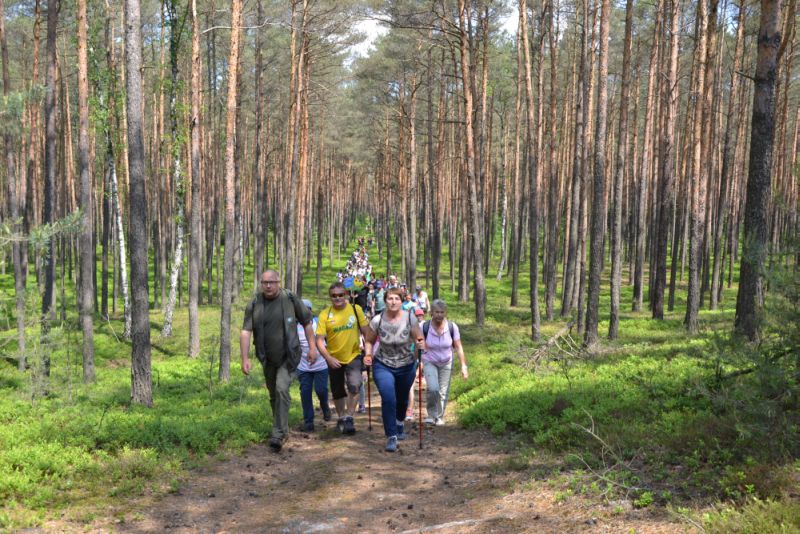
(275, 444)
(349, 426)
(439, 421)
(391, 444)
(308, 427)
(340, 425)
(401, 435)
(429, 420)
(326, 414)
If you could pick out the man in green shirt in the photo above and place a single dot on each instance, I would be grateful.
(272, 317)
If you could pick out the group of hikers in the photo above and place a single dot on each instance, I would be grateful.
(380, 327)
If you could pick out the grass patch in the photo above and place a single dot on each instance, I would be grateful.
(637, 419)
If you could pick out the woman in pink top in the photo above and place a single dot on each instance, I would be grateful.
(441, 337)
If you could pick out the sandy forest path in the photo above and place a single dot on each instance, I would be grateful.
(327, 482)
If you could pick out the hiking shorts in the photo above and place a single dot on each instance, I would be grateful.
(346, 379)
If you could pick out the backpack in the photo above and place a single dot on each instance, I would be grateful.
(426, 327)
(292, 347)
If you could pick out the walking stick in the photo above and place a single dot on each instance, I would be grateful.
(369, 402)
(419, 396)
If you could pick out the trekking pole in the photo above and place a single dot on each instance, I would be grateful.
(419, 395)
(369, 402)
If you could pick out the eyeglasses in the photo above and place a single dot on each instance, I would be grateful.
(338, 295)
(269, 282)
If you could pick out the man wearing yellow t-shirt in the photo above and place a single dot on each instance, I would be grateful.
(339, 341)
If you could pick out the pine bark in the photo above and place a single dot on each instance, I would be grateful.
(472, 178)
(750, 298)
(619, 176)
(533, 163)
(13, 207)
(666, 193)
(230, 195)
(86, 289)
(141, 376)
(195, 235)
(50, 169)
(599, 214)
(177, 172)
(728, 150)
(699, 170)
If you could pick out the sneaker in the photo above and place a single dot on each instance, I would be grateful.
(326, 414)
(340, 425)
(439, 421)
(349, 426)
(276, 444)
(391, 444)
(362, 409)
(409, 415)
(429, 420)
(401, 435)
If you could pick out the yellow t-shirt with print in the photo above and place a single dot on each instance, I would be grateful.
(341, 330)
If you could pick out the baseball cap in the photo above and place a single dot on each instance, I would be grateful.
(419, 311)
(307, 304)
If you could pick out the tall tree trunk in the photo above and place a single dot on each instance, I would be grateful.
(86, 290)
(177, 173)
(195, 236)
(533, 164)
(750, 298)
(619, 177)
(599, 198)
(516, 210)
(699, 170)
(666, 194)
(230, 195)
(571, 281)
(50, 167)
(259, 226)
(141, 378)
(645, 172)
(553, 197)
(472, 178)
(13, 207)
(411, 273)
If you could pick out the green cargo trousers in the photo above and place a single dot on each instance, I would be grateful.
(278, 381)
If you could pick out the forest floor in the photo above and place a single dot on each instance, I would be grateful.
(461, 481)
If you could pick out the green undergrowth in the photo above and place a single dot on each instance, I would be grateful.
(648, 419)
(655, 417)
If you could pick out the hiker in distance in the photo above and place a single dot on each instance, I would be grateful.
(441, 338)
(271, 318)
(339, 333)
(394, 363)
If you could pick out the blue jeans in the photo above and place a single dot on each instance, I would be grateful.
(394, 386)
(318, 381)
